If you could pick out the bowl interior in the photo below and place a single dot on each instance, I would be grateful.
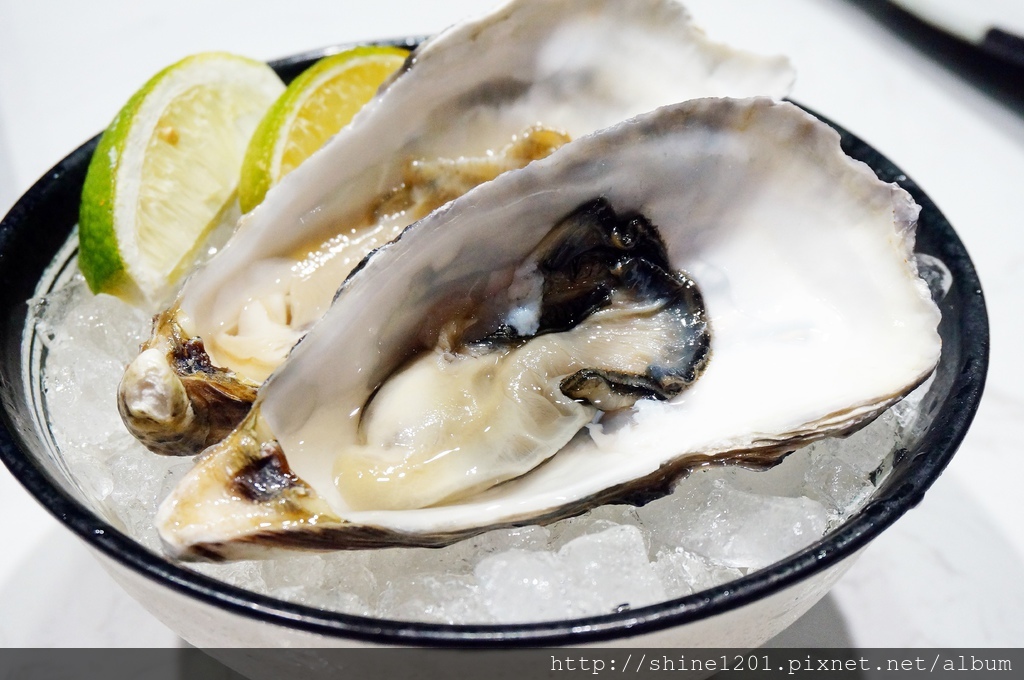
(33, 256)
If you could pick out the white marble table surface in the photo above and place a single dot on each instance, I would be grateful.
(950, 573)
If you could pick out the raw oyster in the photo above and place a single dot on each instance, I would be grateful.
(803, 264)
(483, 97)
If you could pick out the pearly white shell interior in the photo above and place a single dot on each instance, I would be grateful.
(804, 258)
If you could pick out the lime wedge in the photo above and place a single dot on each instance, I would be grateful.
(321, 101)
(166, 170)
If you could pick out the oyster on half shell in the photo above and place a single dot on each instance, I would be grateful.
(767, 295)
(481, 98)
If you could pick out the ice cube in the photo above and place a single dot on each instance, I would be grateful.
(438, 598)
(843, 472)
(732, 527)
(682, 572)
(462, 557)
(290, 572)
(785, 479)
(318, 580)
(596, 573)
(609, 571)
(244, 574)
(519, 586)
(835, 483)
(599, 519)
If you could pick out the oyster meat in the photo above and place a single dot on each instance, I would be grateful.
(712, 281)
(483, 97)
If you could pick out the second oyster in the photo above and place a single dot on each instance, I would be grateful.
(466, 107)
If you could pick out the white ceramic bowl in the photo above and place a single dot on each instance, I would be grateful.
(208, 613)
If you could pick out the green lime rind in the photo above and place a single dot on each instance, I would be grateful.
(257, 177)
(99, 253)
(99, 257)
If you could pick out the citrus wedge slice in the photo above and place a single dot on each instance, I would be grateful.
(166, 170)
(317, 104)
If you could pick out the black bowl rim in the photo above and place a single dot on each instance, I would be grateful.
(943, 439)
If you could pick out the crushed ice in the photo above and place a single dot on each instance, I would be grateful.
(720, 523)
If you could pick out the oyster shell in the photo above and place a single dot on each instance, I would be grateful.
(804, 264)
(465, 108)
